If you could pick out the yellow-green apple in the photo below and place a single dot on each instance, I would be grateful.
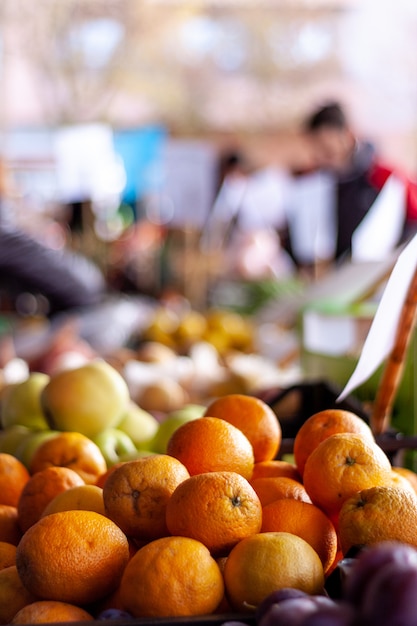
(140, 425)
(173, 421)
(86, 399)
(11, 437)
(21, 403)
(29, 444)
(115, 445)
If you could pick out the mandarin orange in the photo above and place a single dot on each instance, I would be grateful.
(7, 554)
(210, 444)
(217, 508)
(172, 577)
(270, 488)
(13, 594)
(254, 418)
(276, 468)
(136, 494)
(342, 465)
(50, 611)
(322, 425)
(13, 477)
(9, 525)
(72, 556)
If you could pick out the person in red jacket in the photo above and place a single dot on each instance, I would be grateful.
(358, 172)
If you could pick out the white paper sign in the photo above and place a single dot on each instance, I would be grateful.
(381, 337)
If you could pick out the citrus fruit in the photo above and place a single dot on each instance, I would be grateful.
(276, 468)
(342, 465)
(306, 521)
(73, 450)
(13, 477)
(270, 489)
(72, 556)
(322, 425)
(50, 611)
(9, 524)
(254, 418)
(13, 594)
(408, 474)
(265, 562)
(136, 494)
(40, 489)
(79, 498)
(172, 577)
(378, 514)
(7, 554)
(210, 444)
(217, 508)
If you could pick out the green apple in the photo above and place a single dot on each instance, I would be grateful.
(28, 446)
(114, 445)
(173, 421)
(87, 399)
(21, 403)
(140, 425)
(11, 437)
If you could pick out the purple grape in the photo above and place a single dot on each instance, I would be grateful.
(342, 614)
(276, 597)
(370, 561)
(110, 614)
(390, 597)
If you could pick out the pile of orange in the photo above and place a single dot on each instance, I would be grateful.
(200, 529)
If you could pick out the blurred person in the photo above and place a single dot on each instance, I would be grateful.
(374, 205)
(63, 279)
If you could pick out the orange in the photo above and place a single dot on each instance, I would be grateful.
(306, 521)
(254, 418)
(408, 474)
(270, 489)
(342, 465)
(13, 594)
(13, 477)
(80, 498)
(40, 489)
(50, 611)
(103, 477)
(276, 469)
(263, 563)
(73, 450)
(322, 425)
(136, 494)
(396, 479)
(378, 514)
(172, 577)
(9, 524)
(72, 556)
(217, 508)
(7, 554)
(210, 444)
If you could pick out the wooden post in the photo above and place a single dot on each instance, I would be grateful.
(391, 376)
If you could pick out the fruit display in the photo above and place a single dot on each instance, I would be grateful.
(110, 511)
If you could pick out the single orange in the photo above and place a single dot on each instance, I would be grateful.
(217, 508)
(397, 479)
(73, 450)
(276, 468)
(378, 514)
(103, 477)
(136, 494)
(322, 425)
(172, 577)
(342, 465)
(408, 474)
(79, 498)
(13, 594)
(40, 489)
(72, 556)
(13, 477)
(50, 611)
(9, 525)
(263, 563)
(7, 554)
(254, 418)
(270, 489)
(210, 444)
(306, 521)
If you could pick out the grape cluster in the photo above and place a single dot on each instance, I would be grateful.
(377, 587)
